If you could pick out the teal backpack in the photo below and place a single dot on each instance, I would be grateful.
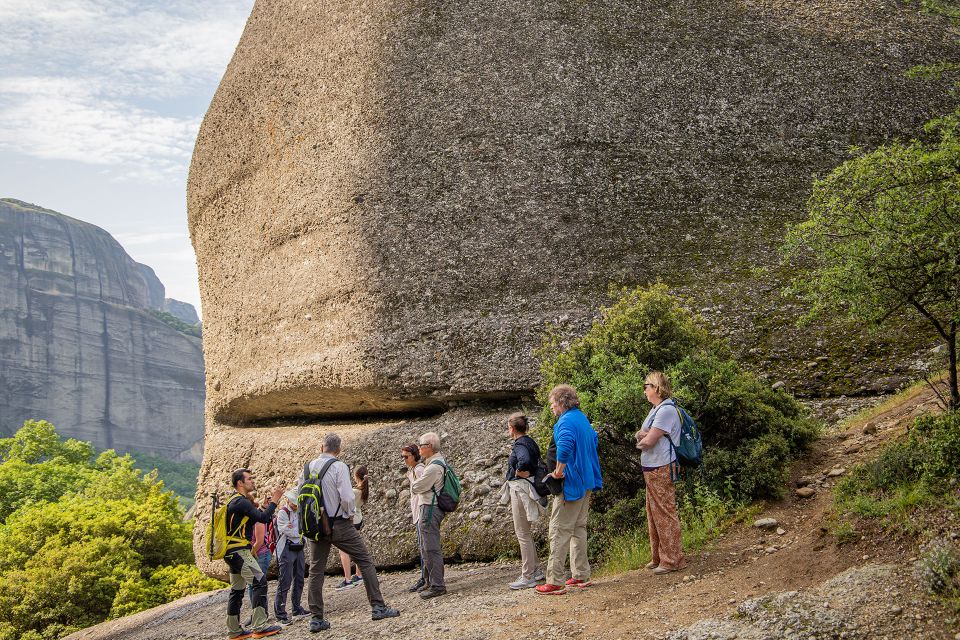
(448, 499)
(689, 450)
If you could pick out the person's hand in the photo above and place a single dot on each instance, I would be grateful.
(276, 495)
(522, 474)
(558, 474)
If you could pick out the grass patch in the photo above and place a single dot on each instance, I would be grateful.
(910, 474)
(704, 517)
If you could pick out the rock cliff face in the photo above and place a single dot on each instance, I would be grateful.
(389, 200)
(78, 346)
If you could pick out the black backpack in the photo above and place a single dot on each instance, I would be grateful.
(540, 473)
(554, 486)
(314, 522)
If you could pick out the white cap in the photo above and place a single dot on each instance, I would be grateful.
(291, 495)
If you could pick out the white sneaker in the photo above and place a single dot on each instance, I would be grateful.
(523, 583)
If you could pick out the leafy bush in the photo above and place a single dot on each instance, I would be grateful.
(907, 474)
(179, 477)
(84, 537)
(750, 431)
(939, 568)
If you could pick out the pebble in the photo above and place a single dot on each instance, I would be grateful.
(835, 472)
(780, 531)
(806, 492)
(869, 429)
(765, 523)
(391, 494)
(486, 518)
(896, 611)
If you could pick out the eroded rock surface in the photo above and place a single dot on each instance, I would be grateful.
(390, 200)
(79, 345)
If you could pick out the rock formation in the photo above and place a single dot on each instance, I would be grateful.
(79, 346)
(389, 200)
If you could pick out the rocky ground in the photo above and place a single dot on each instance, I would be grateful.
(787, 579)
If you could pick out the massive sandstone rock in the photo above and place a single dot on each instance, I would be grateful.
(80, 346)
(389, 200)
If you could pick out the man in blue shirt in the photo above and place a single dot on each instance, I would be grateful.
(578, 464)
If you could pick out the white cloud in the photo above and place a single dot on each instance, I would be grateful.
(81, 79)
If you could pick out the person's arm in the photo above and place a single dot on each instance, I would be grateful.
(259, 530)
(651, 439)
(258, 515)
(566, 445)
(345, 489)
(523, 461)
(426, 482)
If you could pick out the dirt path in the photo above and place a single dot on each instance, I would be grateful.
(744, 563)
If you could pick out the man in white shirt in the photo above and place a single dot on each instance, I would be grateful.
(426, 488)
(339, 502)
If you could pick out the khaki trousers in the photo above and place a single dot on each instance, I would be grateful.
(568, 536)
(528, 548)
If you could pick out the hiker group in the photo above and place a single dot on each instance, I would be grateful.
(324, 510)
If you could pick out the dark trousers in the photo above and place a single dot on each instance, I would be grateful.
(346, 538)
(430, 553)
(291, 573)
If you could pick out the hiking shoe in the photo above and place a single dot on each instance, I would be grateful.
(266, 632)
(300, 615)
(659, 571)
(650, 565)
(550, 590)
(344, 584)
(432, 592)
(573, 582)
(240, 635)
(416, 586)
(539, 577)
(382, 611)
(523, 583)
(356, 579)
(423, 588)
(319, 624)
(284, 621)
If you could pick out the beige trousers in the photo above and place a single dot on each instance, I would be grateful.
(568, 536)
(528, 548)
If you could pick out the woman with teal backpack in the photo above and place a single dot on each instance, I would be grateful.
(661, 429)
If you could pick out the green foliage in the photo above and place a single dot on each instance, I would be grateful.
(84, 538)
(921, 470)
(883, 236)
(939, 569)
(750, 431)
(179, 477)
(178, 324)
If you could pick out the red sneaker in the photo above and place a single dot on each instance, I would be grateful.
(572, 582)
(550, 590)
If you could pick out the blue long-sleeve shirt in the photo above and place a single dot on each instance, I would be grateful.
(577, 444)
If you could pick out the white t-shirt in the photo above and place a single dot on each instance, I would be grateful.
(665, 417)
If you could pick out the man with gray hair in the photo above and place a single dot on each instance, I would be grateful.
(427, 487)
(339, 502)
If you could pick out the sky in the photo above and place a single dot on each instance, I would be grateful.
(100, 104)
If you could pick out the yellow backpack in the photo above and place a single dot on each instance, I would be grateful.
(219, 541)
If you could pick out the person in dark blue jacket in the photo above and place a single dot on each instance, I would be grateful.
(578, 464)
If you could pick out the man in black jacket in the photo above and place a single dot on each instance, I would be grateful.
(242, 515)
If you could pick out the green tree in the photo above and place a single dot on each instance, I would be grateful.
(883, 236)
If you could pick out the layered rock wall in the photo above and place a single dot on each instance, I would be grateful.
(79, 347)
(390, 199)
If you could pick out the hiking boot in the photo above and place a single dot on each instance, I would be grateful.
(284, 621)
(300, 615)
(523, 583)
(551, 590)
(266, 632)
(243, 634)
(382, 611)
(539, 577)
(423, 588)
(432, 592)
(344, 584)
(573, 582)
(319, 624)
(416, 586)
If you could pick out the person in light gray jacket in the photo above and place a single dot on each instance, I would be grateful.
(290, 560)
(426, 488)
